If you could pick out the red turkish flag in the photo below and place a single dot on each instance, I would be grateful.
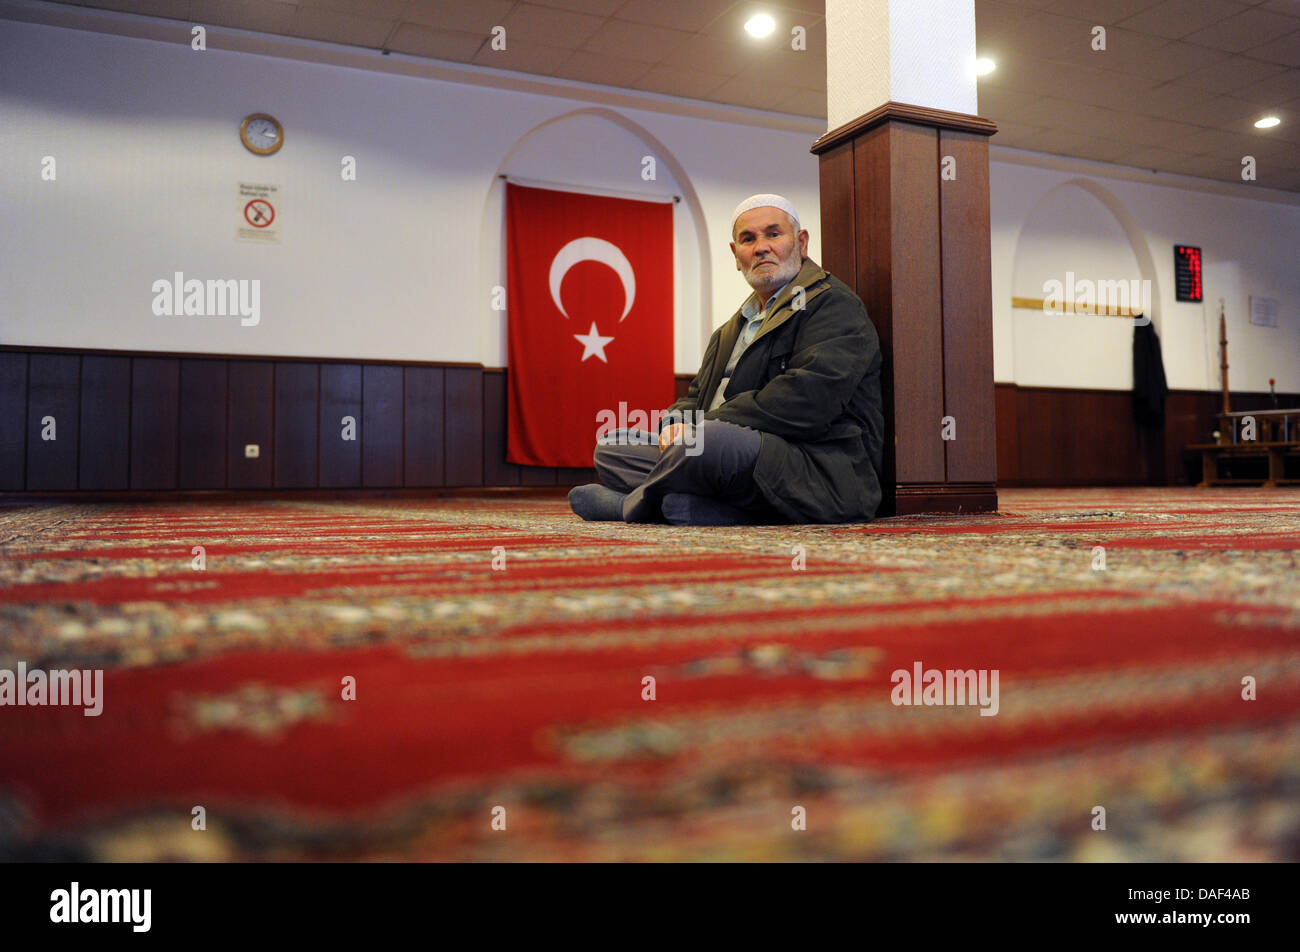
(589, 299)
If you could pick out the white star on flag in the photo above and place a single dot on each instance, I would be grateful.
(592, 343)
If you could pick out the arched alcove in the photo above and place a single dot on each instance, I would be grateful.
(601, 149)
(1079, 231)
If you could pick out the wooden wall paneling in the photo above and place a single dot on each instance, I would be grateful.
(423, 426)
(202, 445)
(340, 396)
(13, 421)
(967, 308)
(463, 428)
(575, 477)
(1035, 432)
(297, 424)
(538, 475)
(1184, 424)
(105, 459)
(381, 425)
(496, 471)
(53, 386)
(251, 415)
(155, 421)
(1004, 395)
(1079, 438)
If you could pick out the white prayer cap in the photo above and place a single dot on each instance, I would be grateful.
(760, 201)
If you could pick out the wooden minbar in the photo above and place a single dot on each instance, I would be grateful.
(1271, 434)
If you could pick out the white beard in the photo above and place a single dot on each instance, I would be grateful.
(784, 272)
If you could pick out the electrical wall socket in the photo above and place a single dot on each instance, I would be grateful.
(252, 451)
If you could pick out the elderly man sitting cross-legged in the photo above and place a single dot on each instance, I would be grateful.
(783, 421)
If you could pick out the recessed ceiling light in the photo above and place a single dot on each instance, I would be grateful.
(984, 66)
(1268, 122)
(759, 25)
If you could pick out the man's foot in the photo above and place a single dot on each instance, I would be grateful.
(597, 503)
(688, 509)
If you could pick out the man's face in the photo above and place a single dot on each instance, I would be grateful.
(768, 252)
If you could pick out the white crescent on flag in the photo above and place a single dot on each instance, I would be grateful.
(593, 249)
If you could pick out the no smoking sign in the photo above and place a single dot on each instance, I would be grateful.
(259, 207)
(259, 213)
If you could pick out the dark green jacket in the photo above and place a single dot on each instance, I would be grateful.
(810, 383)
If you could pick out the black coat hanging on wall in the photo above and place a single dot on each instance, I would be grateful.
(1149, 387)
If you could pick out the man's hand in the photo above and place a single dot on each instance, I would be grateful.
(670, 434)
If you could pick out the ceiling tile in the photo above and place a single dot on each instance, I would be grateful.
(330, 26)
(459, 16)
(646, 44)
(1212, 142)
(1055, 142)
(1009, 132)
(124, 6)
(674, 14)
(1060, 39)
(1174, 19)
(791, 68)
(1005, 99)
(807, 102)
(1154, 59)
(996, 21)
(439, 44)
(1244, 31)
(379, 9)
(171, 9)
(680, 81)
(1264, 149)
(1284, 50)
(1152, 157)
(541, 26)
(1280, 88)
(588, 67)
(815, 7)
(526, 58)
(263, 16)
(1168, 101)
(1205, 166)
(1102, 12)
(1220, 111)
(742, 91)
(710, 56)
(1148, 130)
(602, 8)
(1230, 74)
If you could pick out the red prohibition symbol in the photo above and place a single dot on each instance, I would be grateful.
(259, 213)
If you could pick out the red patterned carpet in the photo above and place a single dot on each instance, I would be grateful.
(772, 650)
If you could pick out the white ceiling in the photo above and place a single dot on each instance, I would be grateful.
(1177, 89)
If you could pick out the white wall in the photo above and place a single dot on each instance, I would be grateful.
(390, 266)
(399, 264)
(1047, 221)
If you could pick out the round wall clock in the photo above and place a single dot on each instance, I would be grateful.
(261, 134)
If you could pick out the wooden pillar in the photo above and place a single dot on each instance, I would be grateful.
(905, 223)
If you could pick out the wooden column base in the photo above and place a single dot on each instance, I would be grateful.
(913, 498)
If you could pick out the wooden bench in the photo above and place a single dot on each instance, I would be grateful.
(1275, 452)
